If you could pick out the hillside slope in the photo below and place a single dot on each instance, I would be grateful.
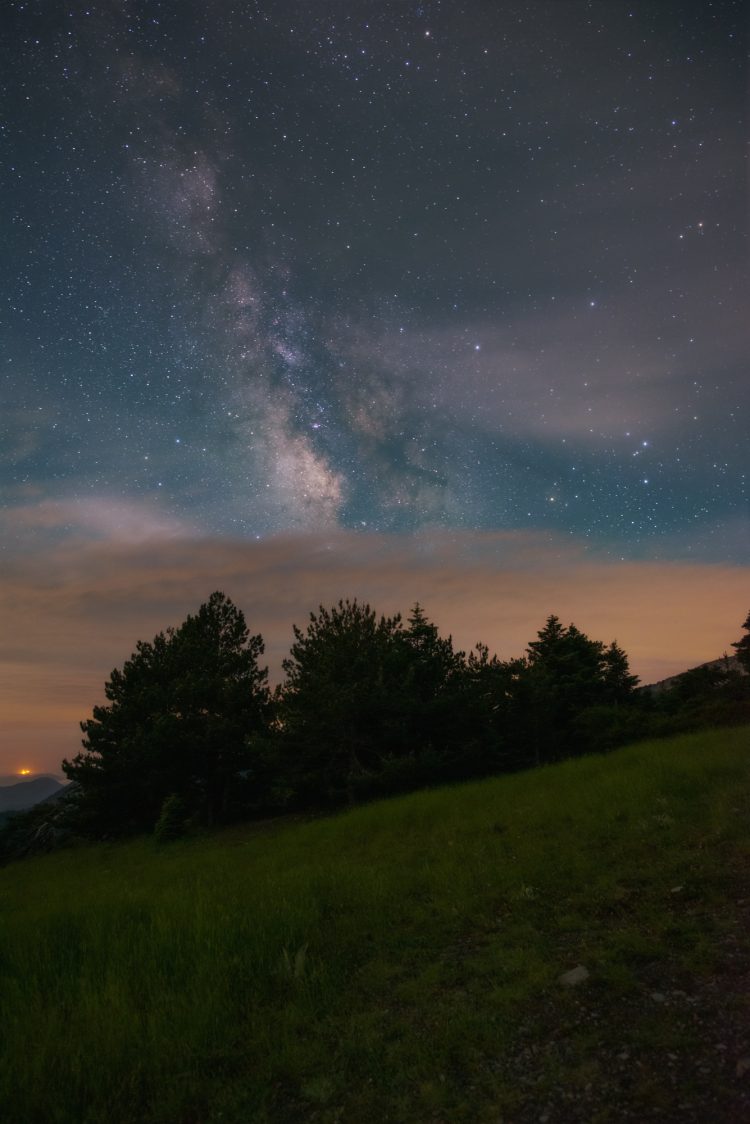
(402, 961)
(25, 794)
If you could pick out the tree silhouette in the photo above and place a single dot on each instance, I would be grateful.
(742, 646)
(435, 699)
(338, 705)
(618, 682)
(178, 719)
(567, 673)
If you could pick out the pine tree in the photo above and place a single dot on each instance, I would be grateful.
(178, 718)
(336, 706)
(434, 688)
(566, 674)
(742, 646)
(618, 682)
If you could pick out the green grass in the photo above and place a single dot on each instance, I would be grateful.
(384, 964)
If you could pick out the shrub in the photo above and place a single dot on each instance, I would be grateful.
(173, 821)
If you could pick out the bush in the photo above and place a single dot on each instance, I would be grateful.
(173, 821)
(598, 729)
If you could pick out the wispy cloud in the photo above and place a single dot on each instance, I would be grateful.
(101, 517)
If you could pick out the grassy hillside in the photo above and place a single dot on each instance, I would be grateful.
(401, 962)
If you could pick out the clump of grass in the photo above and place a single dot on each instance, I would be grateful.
(375, 964)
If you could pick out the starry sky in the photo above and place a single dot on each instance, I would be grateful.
(443, 300)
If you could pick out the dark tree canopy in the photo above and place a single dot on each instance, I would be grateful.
(617, 680)
(567, 673)
(178, 719)
(433, 689)
(369, 705)
(366, 699)
(742, 646)
(336, 705)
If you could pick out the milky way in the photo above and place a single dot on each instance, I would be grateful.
(276, 267)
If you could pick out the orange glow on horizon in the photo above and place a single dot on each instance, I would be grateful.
(24, 772)
(496, 587)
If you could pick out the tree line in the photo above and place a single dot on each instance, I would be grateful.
(369, 706)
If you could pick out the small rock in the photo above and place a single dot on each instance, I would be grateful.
(677, 889)
(743, 1066)
(575, 976)
(658, 997)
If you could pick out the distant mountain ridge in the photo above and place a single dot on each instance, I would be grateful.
(16, 778)
(25, 794)
(724, 663)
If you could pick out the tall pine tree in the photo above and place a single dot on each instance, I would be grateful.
(178, 719)
(742, 646)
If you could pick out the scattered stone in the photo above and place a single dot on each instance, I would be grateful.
(575, 976)
(743, 1066)
(658, 997)
(677, 889)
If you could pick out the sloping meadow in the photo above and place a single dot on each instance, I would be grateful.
(401, 961)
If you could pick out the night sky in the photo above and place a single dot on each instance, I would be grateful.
(371, 279)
